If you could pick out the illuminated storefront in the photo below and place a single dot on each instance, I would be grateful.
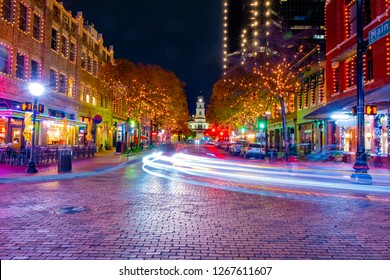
(3, 130)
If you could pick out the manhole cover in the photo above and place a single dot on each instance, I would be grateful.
(71, 210)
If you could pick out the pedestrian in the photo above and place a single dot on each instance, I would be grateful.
(141, 146)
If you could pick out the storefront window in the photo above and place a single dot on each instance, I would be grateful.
(53, 134)
(3, 130)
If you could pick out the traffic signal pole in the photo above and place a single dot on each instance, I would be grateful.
(360, 175)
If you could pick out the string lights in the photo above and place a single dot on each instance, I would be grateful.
(9, 61)
(313, 90)
(388, 55)
(225, 36)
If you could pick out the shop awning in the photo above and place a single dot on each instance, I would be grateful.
(379, 97)
(325, 111)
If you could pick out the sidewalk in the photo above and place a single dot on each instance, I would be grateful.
(102, 162)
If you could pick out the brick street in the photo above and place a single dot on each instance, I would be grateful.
(129, 214)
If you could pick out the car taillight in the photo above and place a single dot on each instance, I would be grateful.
(249, 149)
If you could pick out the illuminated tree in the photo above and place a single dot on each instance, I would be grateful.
(148, 93)
(266, 74)
(237, 99)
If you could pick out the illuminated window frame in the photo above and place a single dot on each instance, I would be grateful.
(20, 66)
(71, 89)
(23, 17)
(72, 51)
(84, 60)
(64, 46)
(62, 83)
(35, 73)
(53, 77)
(7, 10)
(54, 39)
(37, 26)
(5, 59)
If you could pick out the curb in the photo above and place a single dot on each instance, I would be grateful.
(68, 176)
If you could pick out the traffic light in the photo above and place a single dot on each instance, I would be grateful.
(40, 108)
(370, 110)
(26, 106)
(261, 125)
(354, 111)
(243, 129)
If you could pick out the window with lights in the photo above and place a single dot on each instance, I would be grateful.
(7, 10)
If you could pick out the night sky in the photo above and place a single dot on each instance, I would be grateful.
(182, 36)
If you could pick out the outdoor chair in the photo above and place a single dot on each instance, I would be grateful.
(11, 156)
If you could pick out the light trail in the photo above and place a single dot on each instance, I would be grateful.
(250, 178)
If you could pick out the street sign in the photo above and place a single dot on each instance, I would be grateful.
(379, 31)
(97, 119)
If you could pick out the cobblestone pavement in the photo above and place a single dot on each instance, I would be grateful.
(129, 214)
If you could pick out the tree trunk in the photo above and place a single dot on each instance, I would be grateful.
(138, 134)
(151, 134)
(285, 132)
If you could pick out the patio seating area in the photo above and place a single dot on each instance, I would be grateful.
(42, 154)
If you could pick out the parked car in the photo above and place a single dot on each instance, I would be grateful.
(226, 145)
(235, 148)
(254, 150)
(218, 144)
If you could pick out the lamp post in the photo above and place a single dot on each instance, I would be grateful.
(267, 114)
(36, 90)
(360, 175)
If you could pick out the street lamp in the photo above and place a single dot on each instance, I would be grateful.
(267, 114)
(360, 175)
(36, 89)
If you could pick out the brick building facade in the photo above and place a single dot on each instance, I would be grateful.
(341, 78)
(41, 41)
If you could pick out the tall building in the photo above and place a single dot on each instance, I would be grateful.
(247, 23)
(305, 15)
(41, 41)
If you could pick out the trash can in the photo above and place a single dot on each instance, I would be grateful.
(119, 147)
(65, 160)
(273, 155)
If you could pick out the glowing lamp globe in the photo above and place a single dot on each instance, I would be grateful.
(36, 89)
